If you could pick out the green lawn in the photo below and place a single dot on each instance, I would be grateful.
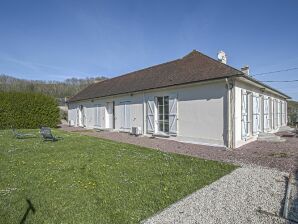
(83, 179)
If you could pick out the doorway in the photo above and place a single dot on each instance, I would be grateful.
(163, 114)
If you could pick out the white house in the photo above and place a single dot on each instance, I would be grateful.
(193, 99)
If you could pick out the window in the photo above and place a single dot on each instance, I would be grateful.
(163, 114)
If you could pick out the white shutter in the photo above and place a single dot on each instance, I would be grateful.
(125, 121)
(266, 113)
(283, 113)
(258, 99)
(122, 115)
(150, 115)
(173, 114)
(78, 117)
(99, 113)
(127, 116)
(95, 110)
(271, 113)
(286, 112)
(244, 115)
(275, 106)
(84, 117)
(255, 116)
(102, 114)
(89, 115)
(280, 114)
(97, 120)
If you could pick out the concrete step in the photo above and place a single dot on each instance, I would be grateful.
(286, 128)
(269, 137)
(263, 134)
(104, 129)
(272, 140)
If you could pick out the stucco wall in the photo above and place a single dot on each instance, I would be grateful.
(200, 110)
(135, 103)
(238, 141)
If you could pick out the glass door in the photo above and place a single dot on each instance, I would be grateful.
(163, 114)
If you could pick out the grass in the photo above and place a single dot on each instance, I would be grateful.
(83, 179)
(279, 155)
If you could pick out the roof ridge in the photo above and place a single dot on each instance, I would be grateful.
(198, 52)
(190, 53)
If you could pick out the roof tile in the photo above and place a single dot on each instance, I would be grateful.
(193, 67)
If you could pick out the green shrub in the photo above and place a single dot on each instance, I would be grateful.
(63, 115)
(27, 110)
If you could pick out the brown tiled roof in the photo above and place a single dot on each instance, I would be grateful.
(194, 67)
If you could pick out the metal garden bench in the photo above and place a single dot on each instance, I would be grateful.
(20, 135)
(47, 135)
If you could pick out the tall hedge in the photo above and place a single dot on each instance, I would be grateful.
(27, 110)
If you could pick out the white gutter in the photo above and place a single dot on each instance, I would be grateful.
(263, 86)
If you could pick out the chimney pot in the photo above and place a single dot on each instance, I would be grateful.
(245, 70)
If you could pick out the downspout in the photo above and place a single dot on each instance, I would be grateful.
(230, 114)
(232, 85)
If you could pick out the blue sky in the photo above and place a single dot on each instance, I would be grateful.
(55, 40)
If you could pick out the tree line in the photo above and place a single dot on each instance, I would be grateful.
(57, 89)
(292, 112)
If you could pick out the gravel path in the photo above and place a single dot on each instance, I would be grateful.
(247, 195)
(279, 155)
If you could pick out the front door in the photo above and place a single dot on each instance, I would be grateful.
(163, 114)
(109, 115)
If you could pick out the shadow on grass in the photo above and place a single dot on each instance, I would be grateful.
(27, 137)
(30, 208)
(19, 135)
